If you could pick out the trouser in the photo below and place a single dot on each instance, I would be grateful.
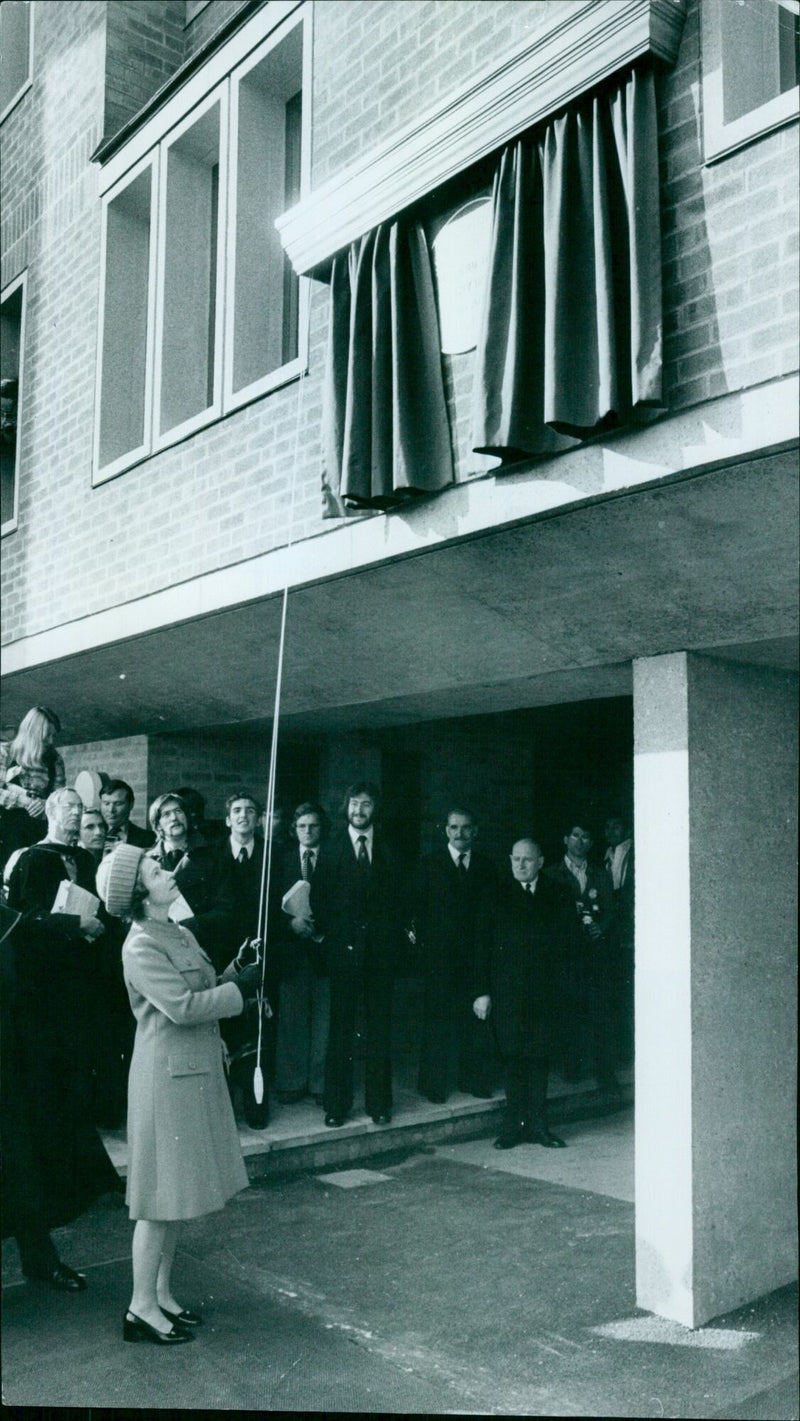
(450, 1031)
(526, 1094)
(37, 1252)
(303, 1028)
(345, 993)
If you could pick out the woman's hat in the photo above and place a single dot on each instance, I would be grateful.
(116, 879)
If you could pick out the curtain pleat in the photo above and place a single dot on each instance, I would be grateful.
(385, 429)
(570, 339)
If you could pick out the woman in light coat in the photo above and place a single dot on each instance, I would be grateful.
(184, 1158)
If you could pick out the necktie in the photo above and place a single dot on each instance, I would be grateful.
(362, 855)
(243, 855)
(308, 867)
(462, 866)
(68, 859)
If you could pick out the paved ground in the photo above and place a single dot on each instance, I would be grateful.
(448, 1279)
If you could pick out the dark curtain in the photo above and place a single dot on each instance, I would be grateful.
(570, 342)
(385, 428)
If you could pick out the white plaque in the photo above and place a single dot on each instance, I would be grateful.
(461, 262)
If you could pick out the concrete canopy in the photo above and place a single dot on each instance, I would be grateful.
(546, 610)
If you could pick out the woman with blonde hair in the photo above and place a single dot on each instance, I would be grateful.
(30, 769)
(184, 1158)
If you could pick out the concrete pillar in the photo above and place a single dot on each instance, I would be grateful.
(714, 783)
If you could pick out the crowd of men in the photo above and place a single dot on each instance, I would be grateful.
(523, 965)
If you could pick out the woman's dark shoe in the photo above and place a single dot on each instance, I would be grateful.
(135, 1330)
(185, 1316)
(334, 1121)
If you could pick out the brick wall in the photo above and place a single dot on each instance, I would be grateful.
(729, 245)
(123, 759)
(379, 65)
(222, 495)
(144, 46)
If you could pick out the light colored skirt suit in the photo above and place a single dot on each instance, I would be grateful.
(184, 1158)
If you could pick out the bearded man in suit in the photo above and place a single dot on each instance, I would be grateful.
(520, 971)
(453, 900)
(356, 906)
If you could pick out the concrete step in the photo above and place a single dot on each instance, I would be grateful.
(297, 1138)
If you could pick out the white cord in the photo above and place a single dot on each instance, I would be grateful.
(266, 866)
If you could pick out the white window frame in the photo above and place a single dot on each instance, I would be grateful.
(124, 461)
(11, 524)
(213, 411)
(266, 29)
(291, 369)
(26, 83)
(721, 138)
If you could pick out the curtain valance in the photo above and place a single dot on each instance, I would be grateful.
(385, 430)
(571, 335)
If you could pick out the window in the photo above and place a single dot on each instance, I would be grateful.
(751, 68)
(12, 342)
(16, 50)
(200, 308)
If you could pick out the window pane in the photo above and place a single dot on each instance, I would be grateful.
(759, 55)
(10, 331)
(188, 338)
(267, 182)
(122, 391)
(14, 49)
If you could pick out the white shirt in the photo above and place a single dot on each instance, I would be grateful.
(237, 848)
(617, 861)
(356, 834)
(529, 888)
(577, 872)
(455, 856)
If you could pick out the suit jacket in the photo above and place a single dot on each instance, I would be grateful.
(452, 914)
(595, 961)
(291, 949)
(140, 838)
(359, 913)
(523, 967)
(215, 920)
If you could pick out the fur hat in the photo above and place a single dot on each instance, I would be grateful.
(116, 878)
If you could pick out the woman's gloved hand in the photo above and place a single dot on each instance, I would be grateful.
(249, 953)
(249, 982)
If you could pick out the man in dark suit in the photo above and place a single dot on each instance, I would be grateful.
(304, 994)
(116, 803)
(520, 972)
(596, 954)
(356, 906)
(453, 899)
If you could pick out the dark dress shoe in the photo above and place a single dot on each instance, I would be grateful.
(508, 1140)
(334, 1120)
(385, 1119)
(185, 1316)
(550, 1142)
(66, 1280)
(135, 1330)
